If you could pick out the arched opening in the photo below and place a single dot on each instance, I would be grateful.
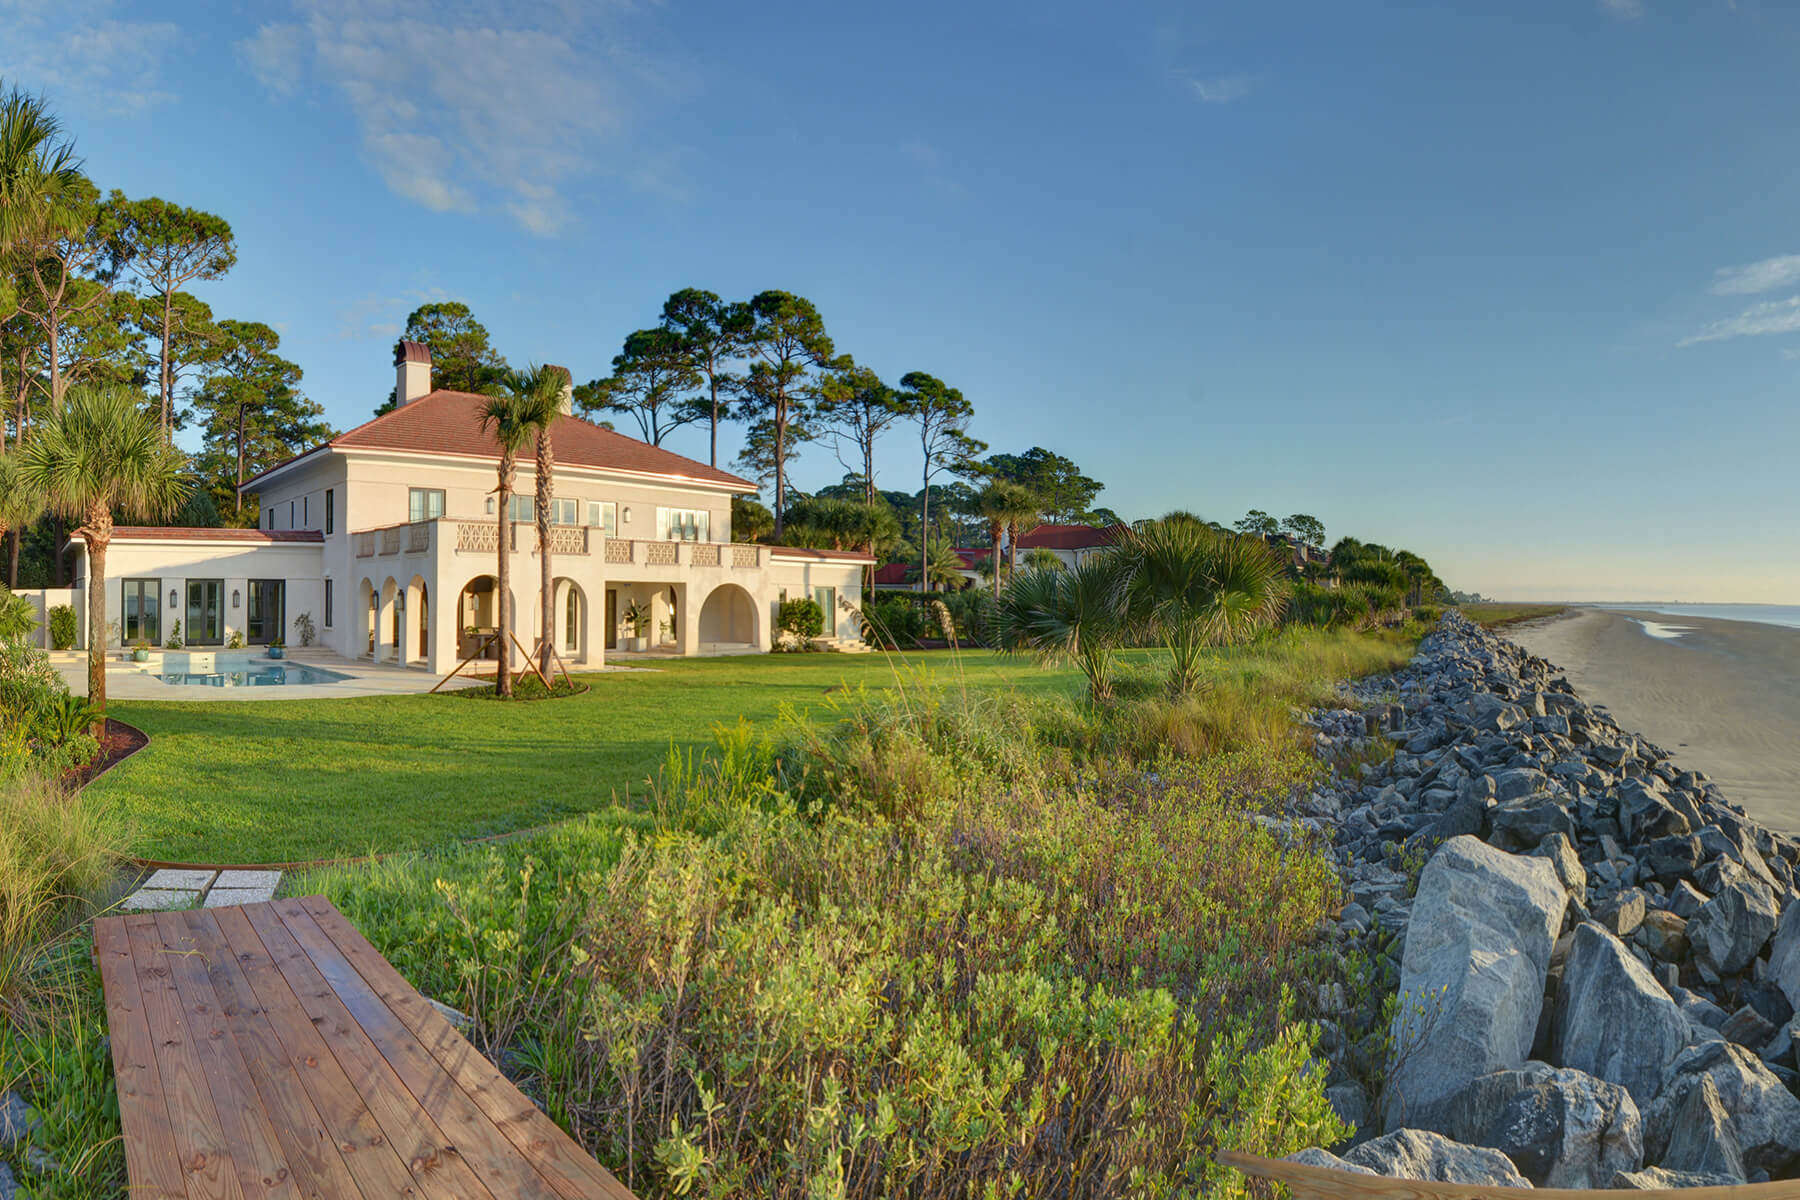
(728, 617)
(571, 620)
(418, 625)
(477, 614)
(389, 618)
(365, 610)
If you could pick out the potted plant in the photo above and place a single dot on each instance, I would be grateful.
(277, 650)
(140, 651)
(637, 618)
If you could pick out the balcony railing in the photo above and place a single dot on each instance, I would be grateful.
(483, 537)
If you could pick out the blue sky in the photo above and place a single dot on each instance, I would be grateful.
(1513, 284)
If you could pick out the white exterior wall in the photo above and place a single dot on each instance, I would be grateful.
(173, 563)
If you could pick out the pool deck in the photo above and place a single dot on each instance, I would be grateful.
(127, 680)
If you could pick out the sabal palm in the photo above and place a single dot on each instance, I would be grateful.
(98, 451)
(538, 392)
(20, 504)
(507, 419)
(36, 168)
(1005, 505)
(1076, 615)
(939, 564)
(1195, 588)
(1045, 558)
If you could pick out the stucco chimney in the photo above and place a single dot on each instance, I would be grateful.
(568, 389)
(412, 372)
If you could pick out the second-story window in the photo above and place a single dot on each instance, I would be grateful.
(330, 513)
(604, 514)
(424, 504)
(683, 524)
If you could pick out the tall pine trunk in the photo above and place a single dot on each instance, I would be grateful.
(168, 383)
(546, 486)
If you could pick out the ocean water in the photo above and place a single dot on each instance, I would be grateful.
(1762, 614)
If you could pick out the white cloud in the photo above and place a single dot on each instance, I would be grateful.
(1628, 9)
(1222, 90)
(382, 316)
(1765, 276)
(478, 105)
(80, 54)
(1771, 316)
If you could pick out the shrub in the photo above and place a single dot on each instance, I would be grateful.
(800, 618)
(893, 619)
(304, 625)
(174, 641)
(17, 616)
(63, 627)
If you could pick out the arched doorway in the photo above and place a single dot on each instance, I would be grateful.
(366, 603)
(571, 620)
(418, 604)
(728, 618)
(478, 614)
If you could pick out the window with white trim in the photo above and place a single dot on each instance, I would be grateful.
(604, 514)
(424, 504)
(683, 524)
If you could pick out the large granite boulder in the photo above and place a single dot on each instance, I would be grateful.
(1645, 813)
(1432, 1157)
(1472, 973)
(1659, 1179)
(1522, 824)
(1612, 1019)
(1560, 1127)
(1784, 954)
(1700, 1136)
(1313, 1156)
(1764, 1115)
(1734, 926)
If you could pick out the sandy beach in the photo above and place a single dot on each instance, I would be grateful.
(1723, 698)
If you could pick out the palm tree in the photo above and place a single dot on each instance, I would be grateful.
(20, 504)
(938, 564)
(1005, 505)
(539, 393)
(1043, 558)
(99, 451)
(1197, 588)
(1078, 614)
(508, 419)
(37, 169)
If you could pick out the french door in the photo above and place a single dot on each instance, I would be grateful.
(205, 624)
(142, 606)
(268, 611)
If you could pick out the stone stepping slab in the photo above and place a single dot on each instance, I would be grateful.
(173, 887)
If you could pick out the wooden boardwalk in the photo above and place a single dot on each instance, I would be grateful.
(269, 1051)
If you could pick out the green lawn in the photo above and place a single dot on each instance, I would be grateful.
(272, 781)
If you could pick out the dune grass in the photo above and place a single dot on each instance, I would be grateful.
(1499, 616)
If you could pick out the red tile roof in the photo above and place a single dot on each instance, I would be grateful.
(187, 533)
(444, 422)
(892, 573)
(971, 558)
(1069, 537)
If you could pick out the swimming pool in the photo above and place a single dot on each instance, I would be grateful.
(239, 670)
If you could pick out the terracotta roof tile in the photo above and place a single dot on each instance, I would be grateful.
(186, 533)
(1069, 537)
(803, 552)
(445, 422)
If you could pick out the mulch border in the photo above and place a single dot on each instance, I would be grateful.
(120, 743)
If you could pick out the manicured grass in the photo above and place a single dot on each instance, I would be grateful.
(1499, 616)
(274, 781)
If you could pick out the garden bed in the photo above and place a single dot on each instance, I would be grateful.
(118, 743)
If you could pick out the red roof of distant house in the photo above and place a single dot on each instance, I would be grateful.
(445, 422)
(892, 573)
(834, 555)
(189, 533)
(1069, 537)
(971, 558)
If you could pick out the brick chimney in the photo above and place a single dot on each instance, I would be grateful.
(412, 372)
(568, 389)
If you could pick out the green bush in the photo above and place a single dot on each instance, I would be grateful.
(17, 616)
(42, 727)
(800, 618)
(63, 627)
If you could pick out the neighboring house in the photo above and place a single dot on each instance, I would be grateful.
(1074, 544)
(903, 577)
(386, 536)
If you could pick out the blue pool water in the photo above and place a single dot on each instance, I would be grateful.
(265, 672)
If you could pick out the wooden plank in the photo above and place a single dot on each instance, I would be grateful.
(151, 1161)
(574, 1172)
(264, 1082)
(1327, 1183)
(433, 1157)
(377, 1161)
(498, 1162)
(210, 1172)
(263, 1171)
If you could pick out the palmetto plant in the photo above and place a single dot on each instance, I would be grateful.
(1193, 588)
(37, 167)
(1077, 615)
(1043, 558)
(508, 419)
(941, 565)
(20, 503)
(1005, 505)
(99, 451)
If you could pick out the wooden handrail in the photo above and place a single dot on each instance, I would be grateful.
(1328, 1183)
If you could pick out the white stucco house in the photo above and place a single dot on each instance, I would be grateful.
(386, 539)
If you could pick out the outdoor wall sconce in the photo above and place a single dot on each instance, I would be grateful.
(172, 597)
(235, 598)
(625, 513)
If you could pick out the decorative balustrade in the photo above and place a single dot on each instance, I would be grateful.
(705, 554)
(418, 538)
(390, 540)
(568, 539)
(745, 556)
(618, 551)
(661, 554)
(365, 545)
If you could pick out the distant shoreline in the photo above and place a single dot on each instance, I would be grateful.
(1721, 695)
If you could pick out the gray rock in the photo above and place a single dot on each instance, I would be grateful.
(1516, 782)
(461, 1021)
(1646, 813)
(1747, 1027)
(1351, 1103)
(1624, 912)
(1613, 1020)
(16, 1120)
(1432, 1157)
(1561, 853)
(1685, 899)
(1313, 1156)
(1700, 1137)
(1764, 1115)
(1659, 1179)
(1560, 1127)
(9, 1186)
(1733, 927)
(1670, 858)
(1476, 952)
(1517, 825)
(1784, 954)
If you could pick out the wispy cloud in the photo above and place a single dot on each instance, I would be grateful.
(377, 315)
(1222, 90)
(1630, 10)
(80, 52)
(1771, 316)
(1781, 271)
(478, 105)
